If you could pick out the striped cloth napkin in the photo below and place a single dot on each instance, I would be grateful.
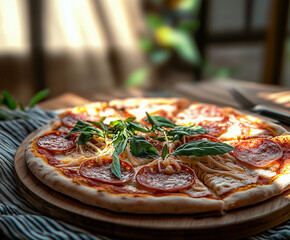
(18, 220)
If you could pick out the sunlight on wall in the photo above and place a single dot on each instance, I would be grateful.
(13, 26)
(72, 25)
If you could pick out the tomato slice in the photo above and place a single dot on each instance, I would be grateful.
(56, 142)
(102, 173)
(70, 119)
(150, 177)
(259, 153)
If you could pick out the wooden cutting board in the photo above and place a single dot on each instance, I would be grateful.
(234, 224)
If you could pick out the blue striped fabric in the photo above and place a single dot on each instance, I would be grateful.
(18, 220)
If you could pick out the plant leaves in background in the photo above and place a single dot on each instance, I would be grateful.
(189, 25)
(192, 6)
(146, 44)
(137, 78)
(154, 21)
(225, 72)
(37, 97)
(158, 57)
(186, 47)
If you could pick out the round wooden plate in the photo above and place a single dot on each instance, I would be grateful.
(234, 224)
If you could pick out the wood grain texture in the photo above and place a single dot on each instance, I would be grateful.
(233, 225)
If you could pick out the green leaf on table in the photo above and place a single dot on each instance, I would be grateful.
(3, 116)
(158, 57)
(202, 148)
(37, 97)
(115, 166)
(137, 78)
(8, 101)
(141, 148)
(22, 108)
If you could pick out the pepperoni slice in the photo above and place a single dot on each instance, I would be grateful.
(102, 173)
(150, 177)
(206, 111)
(50, 158)
(56, 142)
(214, 128)
(70, 120)
(259, 153)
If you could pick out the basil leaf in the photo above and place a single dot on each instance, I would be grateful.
(141, 148)
(84, 138)
(115, 166)
(114, 123)
(37, 97)
(202, 148)
(120, 141)
(179, 131)
(160, 138)
(159, 121)
(164, 122)
(135, 126)
(164, 151)
(82, 127)
(152, 120)
(130, 119)
(100, 124)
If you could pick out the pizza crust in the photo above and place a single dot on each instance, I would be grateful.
(257, 194)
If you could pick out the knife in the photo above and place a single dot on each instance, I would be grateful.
(282, 117)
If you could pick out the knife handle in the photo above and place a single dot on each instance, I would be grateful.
(272, 113)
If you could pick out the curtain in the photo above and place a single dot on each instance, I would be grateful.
(85, 45)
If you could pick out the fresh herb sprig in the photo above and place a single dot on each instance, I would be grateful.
(171, 131)
(10, 108)
(122, 132)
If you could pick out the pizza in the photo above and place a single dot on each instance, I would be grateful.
(161, 155)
